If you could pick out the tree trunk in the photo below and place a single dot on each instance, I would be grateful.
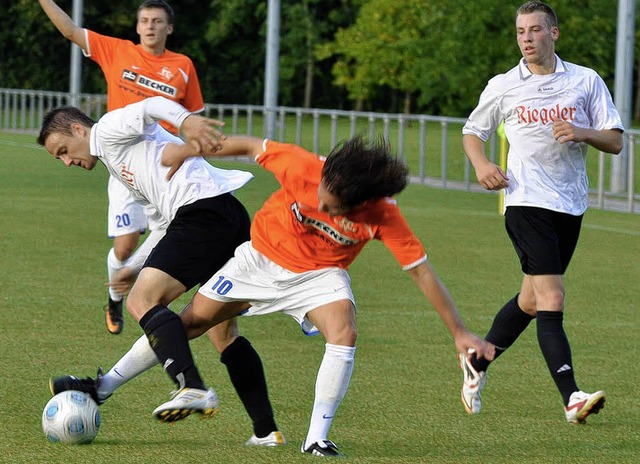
(308, 82)
(407, 103)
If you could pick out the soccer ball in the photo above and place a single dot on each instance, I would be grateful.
(71, 417)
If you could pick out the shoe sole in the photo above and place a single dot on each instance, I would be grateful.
(594, 408)
(175, 415)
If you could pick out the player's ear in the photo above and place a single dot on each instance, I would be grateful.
(78, 130)
(169, 29)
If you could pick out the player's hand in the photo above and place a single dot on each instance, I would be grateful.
(203, 132)
(491, 176)
(122, 281)
(564, 131)
(469, 341)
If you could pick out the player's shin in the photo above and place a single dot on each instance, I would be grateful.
(138, 359)
(247, 376)
(332, 382)
(168, 339)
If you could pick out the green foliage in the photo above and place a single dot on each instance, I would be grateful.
(403, 402)
(382, 55)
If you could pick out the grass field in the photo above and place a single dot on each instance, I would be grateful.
(403, 404)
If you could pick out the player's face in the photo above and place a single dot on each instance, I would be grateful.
(536, 39)
(329, 203)
(153, 27)
(72, 150)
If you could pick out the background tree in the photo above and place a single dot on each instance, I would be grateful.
(382, 55)
(306, 26)
(378, 54)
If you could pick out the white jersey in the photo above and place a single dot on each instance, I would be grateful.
(543, 172)
(129, 141)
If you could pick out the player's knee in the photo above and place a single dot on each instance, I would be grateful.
(345, 335)
(137, 306)
(224, 334)
(553, 301)
(122, 253)
(124, 245)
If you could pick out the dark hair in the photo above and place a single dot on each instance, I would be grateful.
(532, 7)
(59, 120)
(357, 171)
(158, 4)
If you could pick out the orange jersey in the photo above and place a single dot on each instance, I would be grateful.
(133, 74)
(290, 230)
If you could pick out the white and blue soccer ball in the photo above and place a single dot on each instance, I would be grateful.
(71, 417)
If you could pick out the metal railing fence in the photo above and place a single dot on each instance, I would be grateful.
(431, 145)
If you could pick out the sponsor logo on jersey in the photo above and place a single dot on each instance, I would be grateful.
(529, 115)
(152, 84)
(127, 176)
(157, 86)
(347, 225)
(326, 230)
(129, 75)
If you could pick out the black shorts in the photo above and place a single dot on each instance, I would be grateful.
(544, 240)
(201, 239)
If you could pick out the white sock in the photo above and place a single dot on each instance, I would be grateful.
(113, 266)
(134, 362)
(331, 386)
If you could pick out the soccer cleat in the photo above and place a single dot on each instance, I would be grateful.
(114, 317)
(70, 382)
(582, 404)
(322, 448)
(472, 386)
(186, 402)
(273, 439)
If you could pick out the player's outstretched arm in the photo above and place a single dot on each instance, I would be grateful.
(64, 24)
(175, 155)
(428, 282)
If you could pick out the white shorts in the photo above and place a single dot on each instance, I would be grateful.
(251, 277)
(126, 215)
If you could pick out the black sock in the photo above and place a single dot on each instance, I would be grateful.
(247, 376)
(556, 351)
(507, 326)
(169, 341)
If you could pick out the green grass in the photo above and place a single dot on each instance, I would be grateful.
(402, 406)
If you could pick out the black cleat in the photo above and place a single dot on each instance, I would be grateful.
(70, 382)
(114, 318)
(322, 448)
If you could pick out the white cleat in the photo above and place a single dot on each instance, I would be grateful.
(472, 386)
(186, 402)
(273, 439)
(582, 404)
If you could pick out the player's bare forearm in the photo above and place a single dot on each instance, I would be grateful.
(431, 287)
(426, 279)
(64, 23)
(606, 140)
(489, 175)
(238, 145)
(174, 155)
